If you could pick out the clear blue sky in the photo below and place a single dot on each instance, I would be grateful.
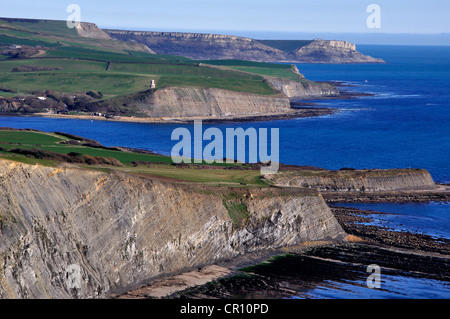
(397, 16)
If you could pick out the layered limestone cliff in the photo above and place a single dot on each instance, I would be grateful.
(91, 30)
(330, 51)
(304, 89)
(358, 180)
(301, 89)
(117, 230)
(185, 102)
(199, 46)
(207, 102)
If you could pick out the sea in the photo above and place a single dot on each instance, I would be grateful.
(404, 123)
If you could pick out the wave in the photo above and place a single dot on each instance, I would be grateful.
(339, 113)
(392, 95)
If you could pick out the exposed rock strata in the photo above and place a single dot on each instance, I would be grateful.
(207, 102)
(330, 51)
(201, 46)
(358, 180)
(182, 102)
(123, 230)
(303, 89)
(90, 30)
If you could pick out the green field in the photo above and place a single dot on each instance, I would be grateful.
(256, 86)
(66, 65)
(266, 69)
(52, 142)
(111, 85)
(32, 138)
(114, 68)
(46, 26)
(280, 73)
(158, 166)
(77, 75)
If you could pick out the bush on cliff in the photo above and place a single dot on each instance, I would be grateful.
(72, 157)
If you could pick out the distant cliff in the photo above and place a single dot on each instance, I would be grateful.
(199, 46)
(91, 30)
(122, 230)
(358, 180)
(185, 102)
(329, 51)
(304, 89)
(206, 102)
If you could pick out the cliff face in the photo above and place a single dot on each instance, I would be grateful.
(121, 230)
(328, 51)
(305, 89)
(363, 180)
(6, 105)
(207, 102)
(178, 102)
(200, 46)
(294, 89)
(90, 30)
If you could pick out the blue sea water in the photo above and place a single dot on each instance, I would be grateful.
(406, 123)
(392, 287)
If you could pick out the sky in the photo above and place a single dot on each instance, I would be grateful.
(274, 19)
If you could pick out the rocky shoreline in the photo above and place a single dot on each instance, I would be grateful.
(300, 107)
(400, 253)
(439, 195)
(328, 268)
(302, 271)
(294, 113)
(299, 270)
(357, 223)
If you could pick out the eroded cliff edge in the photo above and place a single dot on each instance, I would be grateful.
(185, 102)
(367, 185)
(122, 230)
(203, 46)
(374, 180)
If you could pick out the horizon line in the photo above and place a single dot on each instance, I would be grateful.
(181, 30)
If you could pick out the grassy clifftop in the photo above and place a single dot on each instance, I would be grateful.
(351, 180)
(54, 149)
(38, 56)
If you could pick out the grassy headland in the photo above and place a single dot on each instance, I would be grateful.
(53, 149)
(41, 58)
